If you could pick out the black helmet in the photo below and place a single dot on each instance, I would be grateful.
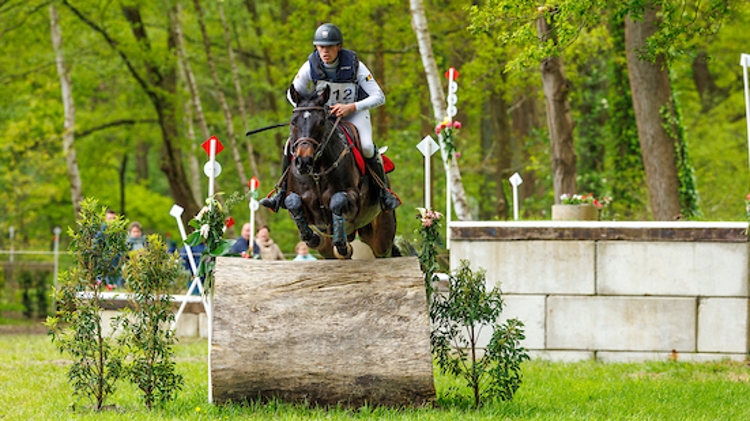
(328, 34)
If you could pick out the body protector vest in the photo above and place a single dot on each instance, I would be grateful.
(344, 87)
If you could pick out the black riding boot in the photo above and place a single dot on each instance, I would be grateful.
(277, 200)
(388, 199)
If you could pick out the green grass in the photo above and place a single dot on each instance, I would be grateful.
(33, 386)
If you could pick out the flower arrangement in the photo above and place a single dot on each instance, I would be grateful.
(448, 129)
(431, 241)
(210, 224)
(585, 199)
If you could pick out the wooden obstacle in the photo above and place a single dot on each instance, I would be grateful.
(325, 332)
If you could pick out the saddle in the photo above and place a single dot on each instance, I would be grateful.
(350, 133)
(352, 137)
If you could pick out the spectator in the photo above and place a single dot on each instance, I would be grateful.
(268, 249)
(242, 245)
(136, 239)
(110, 215)
(303, 252)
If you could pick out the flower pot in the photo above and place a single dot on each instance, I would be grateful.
(575, 213)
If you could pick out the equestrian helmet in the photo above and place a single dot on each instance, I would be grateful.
(328, 34)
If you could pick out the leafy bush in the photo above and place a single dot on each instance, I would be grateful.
(458, 319)
(97, 247)
(150, 272)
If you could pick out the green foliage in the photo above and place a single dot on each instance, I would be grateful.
(77, 327)
(150, 272)
(431, 240)
(688, 194)
(458, 319)
(210, 224)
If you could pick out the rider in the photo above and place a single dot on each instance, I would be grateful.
(353, 93)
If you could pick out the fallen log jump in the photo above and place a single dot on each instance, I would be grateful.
(325, 332)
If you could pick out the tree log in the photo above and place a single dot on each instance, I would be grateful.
(324, 332)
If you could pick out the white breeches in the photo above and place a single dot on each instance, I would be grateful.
(361, 120)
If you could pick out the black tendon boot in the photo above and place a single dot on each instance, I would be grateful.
(277, 200)
(388, 199)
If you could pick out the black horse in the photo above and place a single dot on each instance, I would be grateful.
(328, 197)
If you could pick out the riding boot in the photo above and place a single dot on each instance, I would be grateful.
(388, 199)
(277, 200)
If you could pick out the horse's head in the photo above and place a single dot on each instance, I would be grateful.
(308, 126)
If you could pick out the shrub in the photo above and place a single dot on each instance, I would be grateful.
(77, 326)
(150, 273)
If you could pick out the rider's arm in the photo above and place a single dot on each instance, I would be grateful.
(302, 82)
(376, 97)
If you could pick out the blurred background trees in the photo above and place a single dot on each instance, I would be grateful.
(145, 95)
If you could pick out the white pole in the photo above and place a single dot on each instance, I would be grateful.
(745, 62)
(515, 181)
(212, 173)
(448, 205)
(12, 234)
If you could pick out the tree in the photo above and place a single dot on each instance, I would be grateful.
(419, 23)
(652, 98)
(66, 87)
(158, 81)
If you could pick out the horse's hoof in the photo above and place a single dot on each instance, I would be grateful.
(343, 254)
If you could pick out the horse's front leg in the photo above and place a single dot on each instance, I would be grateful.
(339, 206)
(293, 204)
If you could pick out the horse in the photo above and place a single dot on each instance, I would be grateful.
(328, 197)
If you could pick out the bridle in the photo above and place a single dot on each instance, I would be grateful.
(320, 146)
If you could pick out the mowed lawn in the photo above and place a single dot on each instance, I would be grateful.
(33, 386)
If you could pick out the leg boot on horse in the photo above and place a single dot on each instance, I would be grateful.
(277, 200)
(388, 199)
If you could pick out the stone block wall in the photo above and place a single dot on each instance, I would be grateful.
(617, 291)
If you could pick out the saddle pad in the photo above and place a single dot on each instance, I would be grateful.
(349, 131)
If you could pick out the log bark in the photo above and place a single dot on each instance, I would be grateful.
(324, 332)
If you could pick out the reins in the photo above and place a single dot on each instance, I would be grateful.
(320, 147)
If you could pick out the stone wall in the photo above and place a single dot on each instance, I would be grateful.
(617, 291)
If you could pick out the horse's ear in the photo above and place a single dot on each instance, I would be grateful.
(294, 95)
(325, 95)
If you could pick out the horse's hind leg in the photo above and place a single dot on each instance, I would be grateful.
(293, 203)
(341, 246)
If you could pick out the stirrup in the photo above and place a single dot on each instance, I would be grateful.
(389, 200)
(274, 202)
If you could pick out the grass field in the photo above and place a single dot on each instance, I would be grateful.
(33, 386)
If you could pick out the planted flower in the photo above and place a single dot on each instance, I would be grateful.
(585, 199)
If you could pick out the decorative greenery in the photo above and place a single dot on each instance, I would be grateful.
(585, 199)
(210, 224)
(458, 319)
(448, 129)
(431, 240)
(150, 272)
(77, 328)
(687, 190)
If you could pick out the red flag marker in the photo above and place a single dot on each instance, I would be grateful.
(207, 146)
(455, 74)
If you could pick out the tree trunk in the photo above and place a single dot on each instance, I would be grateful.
(238, 88)
(228, 119)
(556, 88)
(159, 84)
(68, 140)
(419, 24)
(381, 116)
(195, 169)
(525, 118)
(267, 62)
(649, 83)
(141, 161)
(325, 332)
(197, 105)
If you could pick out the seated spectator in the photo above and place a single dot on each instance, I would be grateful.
(268, 249)
(303, 252)
(136, 239)
(242, 245)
